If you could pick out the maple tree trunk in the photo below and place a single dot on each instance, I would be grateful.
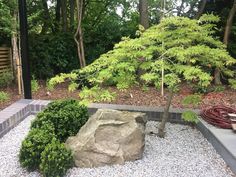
(78, 37)
(165, 116)
(143, 12)
(217, 80)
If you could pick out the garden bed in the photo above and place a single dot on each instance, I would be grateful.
(182, 144)
(184, 152)
(133, 96)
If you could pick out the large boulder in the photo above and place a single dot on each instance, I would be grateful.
(109, 137)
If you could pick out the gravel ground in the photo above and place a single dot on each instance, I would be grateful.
(184, 152)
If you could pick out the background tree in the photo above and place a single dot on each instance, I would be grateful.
(190, 54)
(79, 35)
(103, 24)
(143, 11)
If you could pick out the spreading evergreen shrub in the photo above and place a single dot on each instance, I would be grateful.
(55, 160)
(67, 117)
(34, 144)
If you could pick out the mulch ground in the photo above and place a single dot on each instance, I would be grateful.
(133, 96)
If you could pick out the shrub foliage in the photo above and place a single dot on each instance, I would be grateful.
(67, 117)
(4, 96)
(43, 148)
(34, 144)
(184, 48)
(6, 78)
(55, 160)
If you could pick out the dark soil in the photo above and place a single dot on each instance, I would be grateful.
(133, 96)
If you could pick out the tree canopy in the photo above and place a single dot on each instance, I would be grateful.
(185, 49)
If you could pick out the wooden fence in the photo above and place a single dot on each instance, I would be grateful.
(5, 59)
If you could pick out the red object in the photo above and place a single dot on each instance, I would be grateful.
(218, 116)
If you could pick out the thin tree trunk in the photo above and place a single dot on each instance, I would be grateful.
(47, 18)
(143, 12)
(58, 15)
(161, 129)
(15, 51)
(78, 37)
(229, 23)
(64, 15)
(217, 80)
(72, 14)
(201, 9)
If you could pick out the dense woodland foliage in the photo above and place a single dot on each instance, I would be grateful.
(100, 24)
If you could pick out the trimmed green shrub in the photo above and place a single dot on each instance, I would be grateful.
(67, 117)
(43, 148)
(3, 97)
(34, 145)
(55, 160)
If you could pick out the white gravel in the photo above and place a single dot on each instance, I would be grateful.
(184, 152)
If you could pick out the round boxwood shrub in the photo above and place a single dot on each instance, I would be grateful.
(66, 116)
(34, 144)
(55, 160)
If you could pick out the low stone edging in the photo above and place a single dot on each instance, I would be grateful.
(224, 141)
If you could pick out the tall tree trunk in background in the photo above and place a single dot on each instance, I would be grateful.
(72, 13)
(46, 16)
(229, 23)
(58, 15)
(143, 12)
(78, 37)
(201, 9)
(228, 29)
(64, 14)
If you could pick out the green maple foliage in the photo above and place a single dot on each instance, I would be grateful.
(186, 49)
